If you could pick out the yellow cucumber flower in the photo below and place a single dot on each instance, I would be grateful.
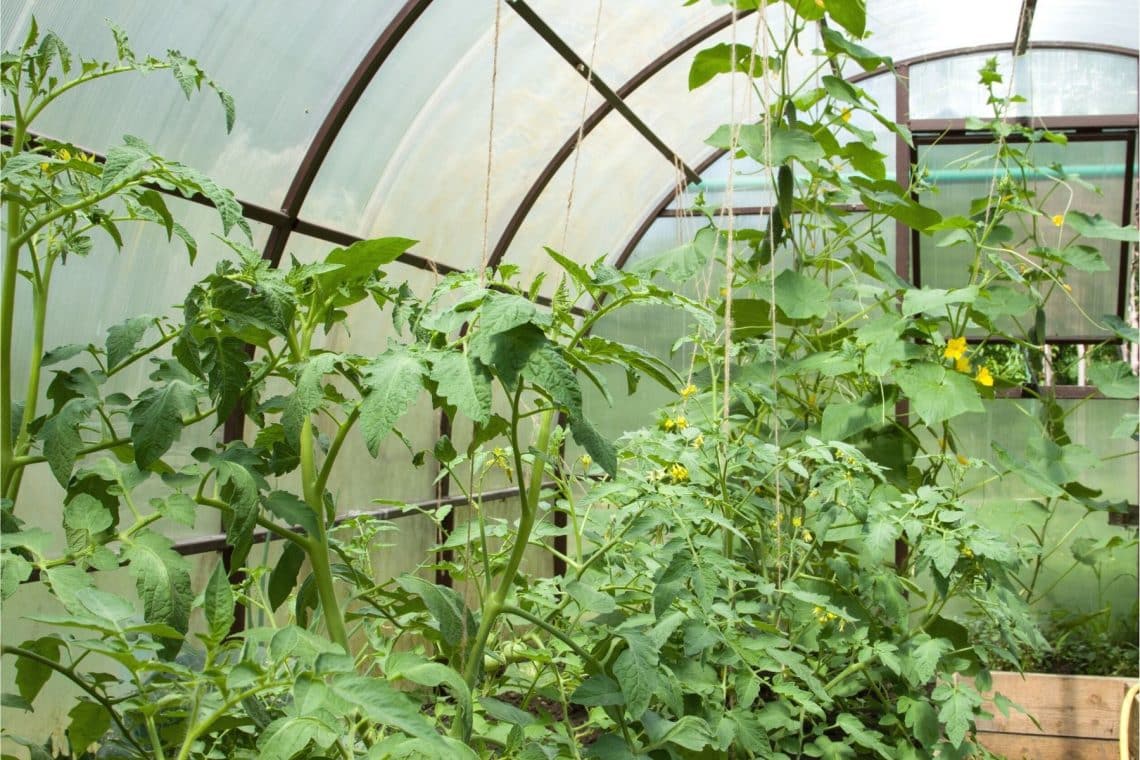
(955, 349)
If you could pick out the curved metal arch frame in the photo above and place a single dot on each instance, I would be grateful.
(334, 121)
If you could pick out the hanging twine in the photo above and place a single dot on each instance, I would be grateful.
(730, 252)
(490, 142)
(766, 104)
(581, 126)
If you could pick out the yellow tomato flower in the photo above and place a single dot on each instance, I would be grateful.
(688, 390)
(984, 377)
(680, 422)
(1058, 220)
(846, 115)
(797, 522)
(678, 472)
(955, 348)
(668, 424)
(64, 154)
(585, 460)
(807, 536)
(962, 364)
(963, 460)
(699, 441)
(45, 167)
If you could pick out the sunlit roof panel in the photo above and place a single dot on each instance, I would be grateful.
(909, 30)
(614, 187)
(1095, 22)
(284, 64)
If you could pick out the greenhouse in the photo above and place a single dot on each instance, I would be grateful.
(631, 379)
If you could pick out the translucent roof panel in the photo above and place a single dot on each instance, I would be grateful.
(628, 34)
(431, 99)
(618, 178)
(412, 159)
(1096, 22)
(908, 30)
(283, 62)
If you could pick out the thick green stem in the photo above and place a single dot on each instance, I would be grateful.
(40, 291)
(529, 496)
(334, 449)
(318, 547)
(7, 317)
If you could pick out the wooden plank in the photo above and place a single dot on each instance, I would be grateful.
(1065, 706)
(1022, 747)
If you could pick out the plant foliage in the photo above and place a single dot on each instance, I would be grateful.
(778, 565)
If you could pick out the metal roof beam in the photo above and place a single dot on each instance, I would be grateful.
(592, 121)
(1024, 27)
(558, 45)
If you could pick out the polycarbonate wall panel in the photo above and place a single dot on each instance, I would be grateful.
(1053, 82)
(283, 62)
(58, 697)
(1099, 22)
(358, 478)
(89, 295)
(1007, 505)
(964, 172)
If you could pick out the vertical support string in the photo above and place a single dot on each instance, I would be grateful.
(766, 106)
(730, 249)
(490, 141)
(581, 126)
